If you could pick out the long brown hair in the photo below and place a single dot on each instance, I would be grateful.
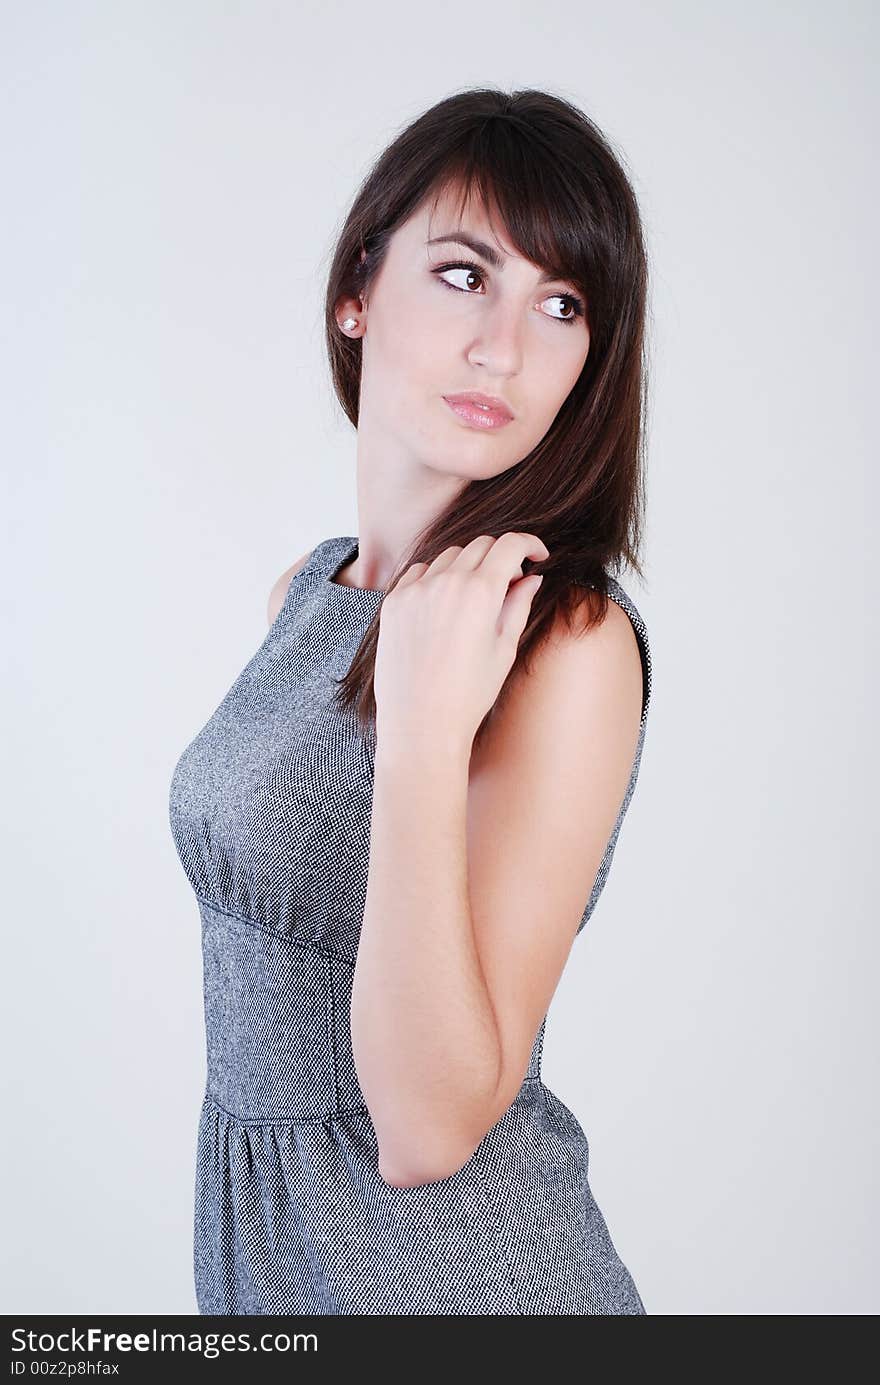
(566, 203)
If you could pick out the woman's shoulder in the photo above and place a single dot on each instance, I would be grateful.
(623, 630)
(581, 650)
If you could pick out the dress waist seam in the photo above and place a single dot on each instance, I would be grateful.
(308, 944)
(324, 1118)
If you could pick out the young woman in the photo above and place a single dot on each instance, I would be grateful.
(404, 810)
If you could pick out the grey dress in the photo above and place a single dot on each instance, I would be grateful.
(270, 810)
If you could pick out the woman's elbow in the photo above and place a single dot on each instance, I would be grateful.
(433, 1162)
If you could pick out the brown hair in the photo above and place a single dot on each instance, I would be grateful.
(567, 204)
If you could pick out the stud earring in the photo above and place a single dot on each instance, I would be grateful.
(349, 322)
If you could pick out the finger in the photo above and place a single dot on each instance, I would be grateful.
(445, 559)
(412, 574)
(508, 553)
(517, 605)
(474, 552)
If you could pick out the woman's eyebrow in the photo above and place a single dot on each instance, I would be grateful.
(488, 252)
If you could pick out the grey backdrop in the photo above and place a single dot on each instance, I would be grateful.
(174, 176)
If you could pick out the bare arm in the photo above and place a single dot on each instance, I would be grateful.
(424, 1034)
(478, 876)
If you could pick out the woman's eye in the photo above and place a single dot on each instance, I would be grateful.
(570, 303)
(470, 271)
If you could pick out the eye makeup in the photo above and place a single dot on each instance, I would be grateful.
(577, 304)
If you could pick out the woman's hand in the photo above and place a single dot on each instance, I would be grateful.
(448, 637)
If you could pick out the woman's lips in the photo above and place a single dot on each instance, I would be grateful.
(475, 415)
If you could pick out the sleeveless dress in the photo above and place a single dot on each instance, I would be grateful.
(269, 810)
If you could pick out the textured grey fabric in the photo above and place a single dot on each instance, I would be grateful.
(270, 810)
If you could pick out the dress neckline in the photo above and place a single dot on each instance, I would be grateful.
(343, 591)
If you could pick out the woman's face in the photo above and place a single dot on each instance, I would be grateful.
(431, 331)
